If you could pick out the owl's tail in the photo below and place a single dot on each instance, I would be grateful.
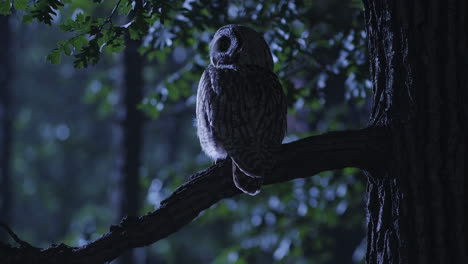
(247, 184)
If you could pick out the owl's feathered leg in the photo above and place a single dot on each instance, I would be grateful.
(247, 184)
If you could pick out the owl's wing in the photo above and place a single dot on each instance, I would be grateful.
(252, 107)
(214, 100)
(207, 101)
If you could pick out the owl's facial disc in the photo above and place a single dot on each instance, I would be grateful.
(224, 47)
(222, 44)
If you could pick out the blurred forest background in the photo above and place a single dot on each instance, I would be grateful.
(108, 132)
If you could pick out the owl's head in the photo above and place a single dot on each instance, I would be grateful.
(240, 45)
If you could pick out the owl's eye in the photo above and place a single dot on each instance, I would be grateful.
(223, 44)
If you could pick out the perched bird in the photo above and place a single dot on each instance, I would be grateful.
(241, 107)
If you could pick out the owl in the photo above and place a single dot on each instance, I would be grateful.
(241, 107)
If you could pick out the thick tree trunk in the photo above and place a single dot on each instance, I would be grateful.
(5, 119)
(417, 206)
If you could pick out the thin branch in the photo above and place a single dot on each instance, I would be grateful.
(15, 237)
(365, 149)
(109, 18)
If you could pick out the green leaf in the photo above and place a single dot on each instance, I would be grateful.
(125, 9)
(65, 47)
(116, 46)
(149, 109)
(78, 42)
(67, 50)
(69, 25)
(134, 34)
(43, 10)
(28, 19)
(21, 4)
(54, 56)
(5, 6)
(89, 54)
(113, 39)
(139, 27)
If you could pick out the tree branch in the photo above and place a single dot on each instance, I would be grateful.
(365, 149)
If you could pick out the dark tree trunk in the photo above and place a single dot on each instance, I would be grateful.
(6, 65)
(132, 126)
(419, 68)
(132, 136)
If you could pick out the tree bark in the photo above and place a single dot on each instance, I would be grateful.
(6, 71)
(417, 204)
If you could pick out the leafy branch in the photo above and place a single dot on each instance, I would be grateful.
(94, 35)
(90, 48)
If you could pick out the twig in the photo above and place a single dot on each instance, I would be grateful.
(21, 242)
(109, 18)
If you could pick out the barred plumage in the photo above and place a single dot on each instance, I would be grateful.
(241, 107)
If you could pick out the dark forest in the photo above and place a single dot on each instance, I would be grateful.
(100, 160)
